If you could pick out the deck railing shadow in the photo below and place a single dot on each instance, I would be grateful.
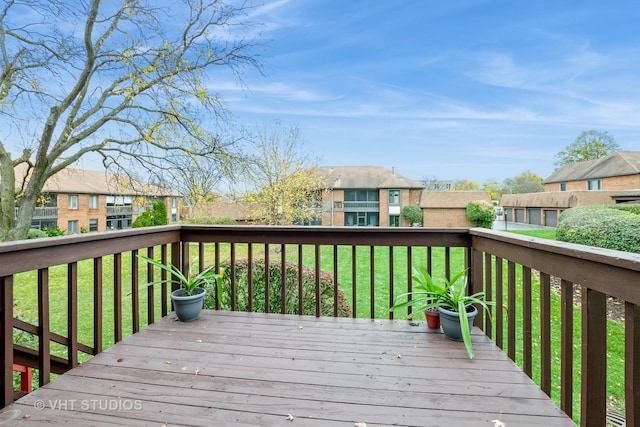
(74, 296)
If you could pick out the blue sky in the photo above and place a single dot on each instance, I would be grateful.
(464, 89)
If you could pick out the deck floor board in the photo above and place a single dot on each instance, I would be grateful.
(231, 368)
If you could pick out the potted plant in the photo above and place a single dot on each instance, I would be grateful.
(457, 311)
(425, 296)
(187, 299)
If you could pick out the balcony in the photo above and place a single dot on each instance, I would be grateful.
(47, 212)
(119, 210)
(318, 370)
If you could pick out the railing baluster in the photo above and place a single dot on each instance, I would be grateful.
(300, 281)
(594, 356)
(283, 276)
(150, 289)
(72, 314)
(267, 280)
(391, 281)
(135, 293)
(488, 288)
(632, 365)
(335, 280)
(475, 285)
(233, 294)
(354, 271)
(44, 332)
(447, 262)
(117, 297)
(409, 276)
(527, 348)
(372, 284)
(566, 347)
(511, 310)
(249, 276)
(164, 291)
(97, 305)
(317, 280)
(6, 338)
(499, 303)
(545, 333)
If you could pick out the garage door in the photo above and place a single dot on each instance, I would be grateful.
(551, 218)
(519, 215)
(535, 216)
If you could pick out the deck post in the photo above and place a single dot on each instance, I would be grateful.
(6, 339)
(632, 364)
(594, 357)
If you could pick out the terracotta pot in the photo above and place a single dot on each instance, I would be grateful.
(433, 319)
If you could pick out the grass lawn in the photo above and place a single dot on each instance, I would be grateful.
(366, 282)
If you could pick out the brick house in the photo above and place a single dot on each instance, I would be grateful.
(608, 180)
(370, 196)
(79, 200)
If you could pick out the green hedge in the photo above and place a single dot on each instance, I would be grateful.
(275, 287)
(212, 220)
(606, 226)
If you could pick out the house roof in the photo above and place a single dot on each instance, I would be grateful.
(366, 177)
(82, 181)
(451, 199)
(616, 164)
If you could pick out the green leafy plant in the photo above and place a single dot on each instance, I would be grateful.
(456, 299)
(450, 294)
(426, 292)
(206, 279)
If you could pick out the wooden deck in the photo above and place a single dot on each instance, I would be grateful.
(231, 368)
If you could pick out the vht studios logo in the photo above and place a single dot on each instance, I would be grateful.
(89, 405)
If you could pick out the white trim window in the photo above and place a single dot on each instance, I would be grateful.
(73, 201)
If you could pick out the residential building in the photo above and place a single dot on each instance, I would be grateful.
(79, 200)
(618, 171)
(366, 196)
(608, 180)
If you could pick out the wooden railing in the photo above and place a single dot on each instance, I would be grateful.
(97, 280)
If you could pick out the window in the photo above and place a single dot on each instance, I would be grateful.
(337, 205)
(361, 219)
(93, 224)
(394, 197)
(174, 202)
(73, 201)
(72, 227)
(361, 196)
(563, 186)
(394, 220)
(93, 202)
(594, 184)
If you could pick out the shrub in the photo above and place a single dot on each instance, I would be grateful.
(54, 232)
(610, 227)
(412, 214)
(34, 233)
(275, 289)
(156, 216)
(482, 213)
(213, 220)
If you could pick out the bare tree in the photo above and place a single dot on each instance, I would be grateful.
(286, 187)
(123, 80)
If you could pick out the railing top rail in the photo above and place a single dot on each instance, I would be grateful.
(26, 255)
(614, 273)
(323, 235)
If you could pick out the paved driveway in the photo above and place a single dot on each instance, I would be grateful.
(502, 225)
